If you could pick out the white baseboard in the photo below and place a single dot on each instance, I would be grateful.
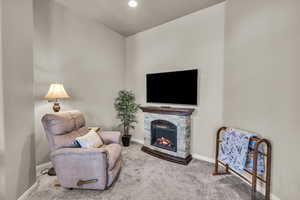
(273, 197)
(40, 167)
(204, 158)
(137, 141)
(25, 195)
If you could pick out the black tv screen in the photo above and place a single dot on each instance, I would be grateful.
(180, 87)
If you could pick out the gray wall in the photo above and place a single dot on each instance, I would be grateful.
(262, 70)
(87, 57)
(260, 75)
(2, 167)
(17, 75)
(193, 41)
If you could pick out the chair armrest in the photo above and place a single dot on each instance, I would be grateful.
(75, 166)
(110, 137)
(78, 151)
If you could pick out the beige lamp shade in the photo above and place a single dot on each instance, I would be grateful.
(57, 91)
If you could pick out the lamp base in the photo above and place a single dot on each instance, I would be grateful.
(56, 107)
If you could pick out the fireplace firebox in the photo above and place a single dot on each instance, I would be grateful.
(164, 135)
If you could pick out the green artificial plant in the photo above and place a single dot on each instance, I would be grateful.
(126, 108)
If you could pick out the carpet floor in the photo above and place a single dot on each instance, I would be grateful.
(144, 177)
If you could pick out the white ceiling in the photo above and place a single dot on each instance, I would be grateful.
(117, 15)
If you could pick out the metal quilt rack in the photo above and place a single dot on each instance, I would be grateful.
(253, 153)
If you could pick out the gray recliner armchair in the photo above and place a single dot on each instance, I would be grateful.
(90, 168)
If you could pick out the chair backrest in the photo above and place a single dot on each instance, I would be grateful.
(63, 127)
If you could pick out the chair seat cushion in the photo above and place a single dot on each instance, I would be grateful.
(114, 154)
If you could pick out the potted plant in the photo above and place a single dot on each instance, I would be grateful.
(126, 108)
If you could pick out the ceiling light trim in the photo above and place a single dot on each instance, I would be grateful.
(133, 3)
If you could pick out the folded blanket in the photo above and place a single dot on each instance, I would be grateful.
(234, 150)
(260, 159)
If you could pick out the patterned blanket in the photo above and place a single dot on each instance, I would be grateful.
(234, 149)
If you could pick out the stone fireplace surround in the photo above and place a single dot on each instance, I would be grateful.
(181, 118)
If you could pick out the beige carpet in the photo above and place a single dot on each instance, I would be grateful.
(144, 177)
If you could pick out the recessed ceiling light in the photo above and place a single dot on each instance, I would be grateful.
(133, 3)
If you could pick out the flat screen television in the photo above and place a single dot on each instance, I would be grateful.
(180, 87)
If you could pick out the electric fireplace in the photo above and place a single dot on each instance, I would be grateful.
(167, 133)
